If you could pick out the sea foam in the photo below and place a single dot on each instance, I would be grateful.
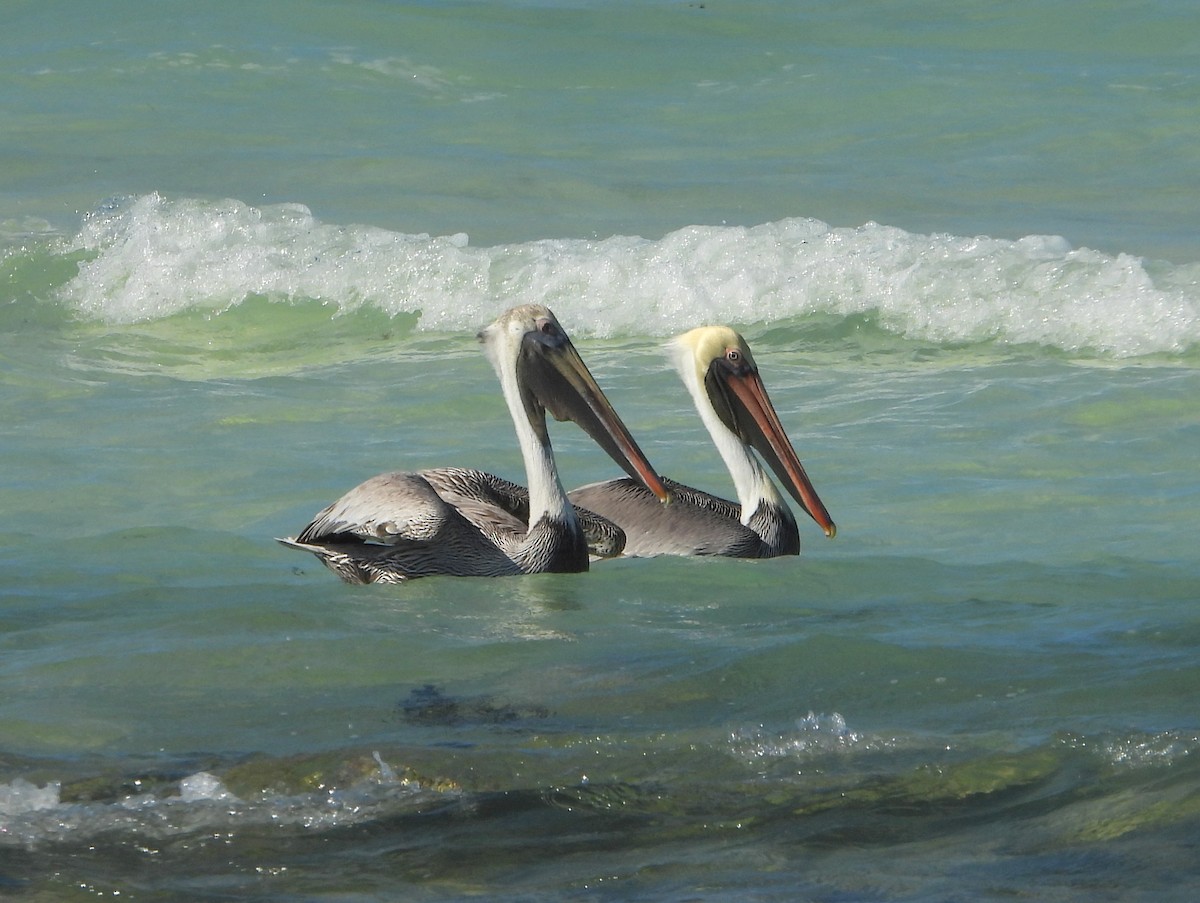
(21, 796)
(150, 257)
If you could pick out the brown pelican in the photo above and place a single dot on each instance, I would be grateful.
(716, 366)
(462, 522)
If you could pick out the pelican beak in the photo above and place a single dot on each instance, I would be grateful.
(561, 383)
(747, 410)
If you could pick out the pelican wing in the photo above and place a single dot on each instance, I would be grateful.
(497, 507)
(466, 488)
(694, 523)
(396, 526)
(387, 509)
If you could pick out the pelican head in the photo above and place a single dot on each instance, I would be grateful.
(541, 371)
(716, 365)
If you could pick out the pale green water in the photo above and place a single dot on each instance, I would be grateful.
(520, 121)
(984, 688)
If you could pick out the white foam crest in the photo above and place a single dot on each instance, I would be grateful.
(21, 796)
(24, 807)
(152, 258)
(30, 814)
(149, 257)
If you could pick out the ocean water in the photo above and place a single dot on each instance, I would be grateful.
(244, 251)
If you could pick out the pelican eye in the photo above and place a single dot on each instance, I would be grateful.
(733, 356)
(547, 327)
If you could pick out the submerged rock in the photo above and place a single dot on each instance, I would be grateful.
(428, 705)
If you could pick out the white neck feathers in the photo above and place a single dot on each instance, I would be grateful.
(547, 498)
(750, 480)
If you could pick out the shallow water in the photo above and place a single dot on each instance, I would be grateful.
(214, 322)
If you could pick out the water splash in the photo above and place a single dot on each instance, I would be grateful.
(198, 802)
(150, 257)
(814, 735)
(22, 796)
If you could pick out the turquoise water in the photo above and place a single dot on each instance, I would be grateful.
(244, 251)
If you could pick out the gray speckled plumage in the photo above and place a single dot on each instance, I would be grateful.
(604, 538)
(693, 523)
